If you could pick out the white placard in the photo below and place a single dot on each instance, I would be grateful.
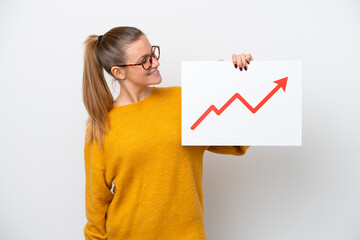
(222, 105)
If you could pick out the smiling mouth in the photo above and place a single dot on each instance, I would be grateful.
(156, 71)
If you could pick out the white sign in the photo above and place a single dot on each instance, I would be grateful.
(221, 105)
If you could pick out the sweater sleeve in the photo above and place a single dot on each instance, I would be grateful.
(98, 194)
(232, 150)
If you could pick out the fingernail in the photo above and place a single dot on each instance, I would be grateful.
(235, 65)
(245, 68)
(240, 68)
(247, 61)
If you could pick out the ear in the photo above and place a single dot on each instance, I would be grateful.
(118, 72)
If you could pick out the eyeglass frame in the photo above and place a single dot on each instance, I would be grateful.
(136, 64)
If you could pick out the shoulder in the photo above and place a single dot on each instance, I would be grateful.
(170, 91)
(170, 95)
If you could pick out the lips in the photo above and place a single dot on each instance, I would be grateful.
(153, 72)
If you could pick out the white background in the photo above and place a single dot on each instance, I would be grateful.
(207, 83)
(307, 192)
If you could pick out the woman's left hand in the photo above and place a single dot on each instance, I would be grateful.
(241, 60)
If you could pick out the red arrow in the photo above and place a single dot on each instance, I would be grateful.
(281, 83)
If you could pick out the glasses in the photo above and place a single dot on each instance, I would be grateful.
(147, 61)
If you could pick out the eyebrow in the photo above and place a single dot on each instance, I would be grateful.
(144, 55)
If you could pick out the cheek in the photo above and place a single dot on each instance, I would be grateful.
(140, 75)
(145, 74)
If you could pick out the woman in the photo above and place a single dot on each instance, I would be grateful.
(140, 182)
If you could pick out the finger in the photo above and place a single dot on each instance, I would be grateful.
(238, 61)
(234, 60)
(243, 61)
(249, 58)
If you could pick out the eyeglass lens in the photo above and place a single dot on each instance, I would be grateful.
(148, 62)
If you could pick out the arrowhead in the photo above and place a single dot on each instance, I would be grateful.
(282, 82)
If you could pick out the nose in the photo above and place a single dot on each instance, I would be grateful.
(155, 62)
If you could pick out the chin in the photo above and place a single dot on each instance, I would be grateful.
(157, 81)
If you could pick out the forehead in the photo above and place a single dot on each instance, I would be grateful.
(139, 48)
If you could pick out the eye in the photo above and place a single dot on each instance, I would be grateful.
(144, 60)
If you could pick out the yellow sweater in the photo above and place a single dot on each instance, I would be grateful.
(157, 192)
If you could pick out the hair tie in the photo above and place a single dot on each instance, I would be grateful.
(99, 38)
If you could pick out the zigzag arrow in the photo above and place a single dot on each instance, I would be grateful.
(281, 83)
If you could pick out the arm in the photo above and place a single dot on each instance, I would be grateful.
(98, 194)
(233, 150)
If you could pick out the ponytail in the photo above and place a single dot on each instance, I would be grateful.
(97, 97)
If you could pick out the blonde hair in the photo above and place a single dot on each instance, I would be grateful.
(97, 97)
